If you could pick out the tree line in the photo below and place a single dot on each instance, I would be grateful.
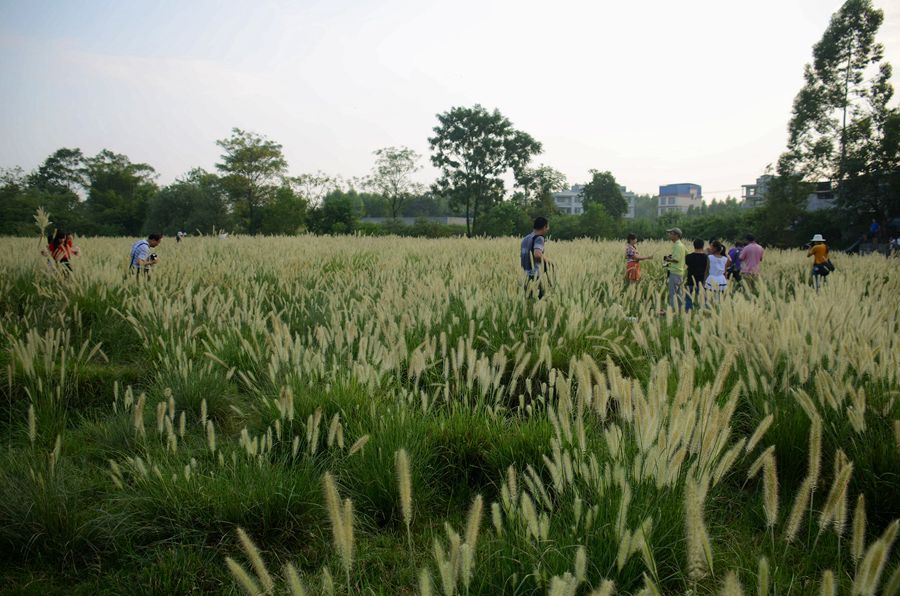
(843, 130)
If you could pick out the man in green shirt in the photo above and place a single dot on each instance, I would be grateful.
(676, 267)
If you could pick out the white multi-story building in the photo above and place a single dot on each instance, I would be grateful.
(679, 197)
(570, 202)
(822, 196)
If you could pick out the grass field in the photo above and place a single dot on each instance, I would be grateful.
(387, 416)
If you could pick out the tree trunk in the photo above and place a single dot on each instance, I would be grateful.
(251, 228)
(846, 101)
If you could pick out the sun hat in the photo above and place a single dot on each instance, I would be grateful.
(817, 238)
(674, 231)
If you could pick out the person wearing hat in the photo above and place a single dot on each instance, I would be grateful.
(676, 267)
(819, 252)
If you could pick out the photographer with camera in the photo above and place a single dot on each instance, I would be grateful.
(675, 265)
(142, 257)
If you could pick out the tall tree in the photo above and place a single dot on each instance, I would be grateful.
(538, 185)
(118, 193)
(314, 187)
(474, 149)
(59, 184)
(285, 214)
(391, 174)
(16, 203)
(252, 166)
(195, 202)
(646, 207)
(64, 170)
(841, 127)
(604, 190)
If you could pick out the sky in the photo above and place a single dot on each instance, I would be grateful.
(656, 92)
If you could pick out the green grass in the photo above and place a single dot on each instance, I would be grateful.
(118, 509)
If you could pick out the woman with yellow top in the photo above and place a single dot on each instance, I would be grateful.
(819, 252)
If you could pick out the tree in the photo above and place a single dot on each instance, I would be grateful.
(16, 204)
(841, 126)
(314, 187)
(538, 185)
(604, 189)
(596, 222)
(474, 149)
(285, 214)
(338, 214)
(64, 170)
(59, 184)
(252, 166)
(118, 193)
(785, 205)
(646, 207)
(390, 176)
(505, 219)
(195, 202)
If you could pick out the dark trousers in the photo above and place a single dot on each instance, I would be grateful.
(534, 286)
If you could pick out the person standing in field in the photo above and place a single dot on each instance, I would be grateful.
(142, 257)
(874, 232)
(734, 269)
(633, 260)
(819, 252)
(532, 256)
(61, 248)
(751, 257)
(718, 263)
(676, 268)
(697, 265)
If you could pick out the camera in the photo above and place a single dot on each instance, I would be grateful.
(153, 256)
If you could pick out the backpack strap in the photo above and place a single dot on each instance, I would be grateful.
(134, 251)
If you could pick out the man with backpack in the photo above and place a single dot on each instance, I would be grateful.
(142, 257)
(532, 256)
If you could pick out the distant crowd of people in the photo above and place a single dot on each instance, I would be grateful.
(707, 270)
(704, 273)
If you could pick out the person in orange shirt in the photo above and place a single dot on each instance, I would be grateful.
(819, 252)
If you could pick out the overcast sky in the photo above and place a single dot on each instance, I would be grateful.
(656, 92)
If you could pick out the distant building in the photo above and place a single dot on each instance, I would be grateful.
(632, 199)
(753, 195)
(569, 202)
(679, 197)
(822, 196)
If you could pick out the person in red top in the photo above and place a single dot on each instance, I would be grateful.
(61, 248)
